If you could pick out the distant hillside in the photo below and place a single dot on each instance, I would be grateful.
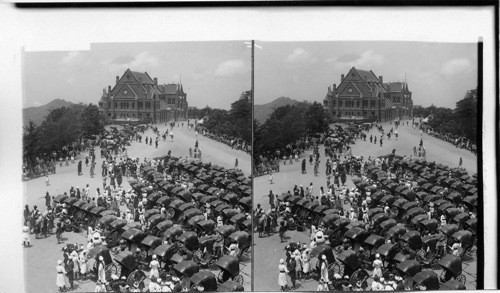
(38, 114)
(262, 112)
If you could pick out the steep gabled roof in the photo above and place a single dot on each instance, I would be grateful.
(170, 89)
(142, 78)
(395, 86)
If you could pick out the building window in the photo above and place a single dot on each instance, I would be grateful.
(333, 105)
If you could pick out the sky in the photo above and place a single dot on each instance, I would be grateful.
(436, 73)
(212, 73)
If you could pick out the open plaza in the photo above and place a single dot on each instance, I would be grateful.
(398, 222)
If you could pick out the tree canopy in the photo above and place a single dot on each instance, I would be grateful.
(61, 128)
(461, 121)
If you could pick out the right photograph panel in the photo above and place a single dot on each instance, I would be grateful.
(365, 166)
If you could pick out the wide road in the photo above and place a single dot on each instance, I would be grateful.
(268, 250)
(41, 258)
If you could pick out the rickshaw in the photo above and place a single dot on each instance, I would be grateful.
(151, 212)
(451, 212)
(246, 203)
(409, 268)
(105, 221)
(230, 286)
(428, 226)
(244, 242)
(428, 254)
(227, 214)
(460, 219)
(113, 231)
(466, 240)
(328, 220)
(395, 232)
(151, 200)
(163, 201)
(164, 253)
(387, 252)
(471, 202)
(204, 279)
(317, 252)
(231, 198)
(237, 220)
(148, 246)
(411, 213)
(415, 221)
(384, 227)
(173, 211)
(172, 233)
(189, 240)
(347, 264)
(370, 246)
(246, 226)
(95, 214)
(356, 237)
(397, 207)
(205, 226)
(318, 213)
(412, 240)
(452, 285)
(378, 219)
(70, 204)
(193, 222)
(185, 270)
(426, 279)
(153, 221)
(126, 265)
(133, 237)
(229, 269)
(452, 269)
(471, 225)
(188, 214)
(93, 256)
(448, 230)
(339, 229)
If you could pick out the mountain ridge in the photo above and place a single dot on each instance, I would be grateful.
(262, 112)
(38, 114)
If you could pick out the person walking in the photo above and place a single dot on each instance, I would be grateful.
(460, 162)
(101, 273)
(60, 281)
(70, 273)
(236, 164)
(79, 168)
(282, 280)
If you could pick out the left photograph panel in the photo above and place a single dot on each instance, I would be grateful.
(137, 168)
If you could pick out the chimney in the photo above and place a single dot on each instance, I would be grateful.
(156, 81)
(334, 88)
(381, 78)
(109, 89)
(117, 78)
(341, 78)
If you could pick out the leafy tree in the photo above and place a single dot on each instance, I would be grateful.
(92, 121)
(31, 142)
(316, 119)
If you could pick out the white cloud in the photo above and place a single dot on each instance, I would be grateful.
(71, 57)
(231, 67)
(142, 62)
(367, 60)
(299, 55)
(456, 66)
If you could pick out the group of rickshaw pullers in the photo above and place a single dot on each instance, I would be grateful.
(402, 239)
(182, 233)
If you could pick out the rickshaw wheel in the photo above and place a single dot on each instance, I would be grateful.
(243, 251)
(461, 278)
(113, 269)
(337, 268)
(136, 276)
(239, 279)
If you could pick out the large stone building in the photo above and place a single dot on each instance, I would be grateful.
(136, 97)
(363, 96)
